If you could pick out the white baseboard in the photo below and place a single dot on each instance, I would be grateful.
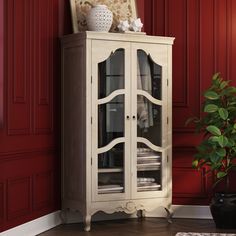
(47, 222)
(194, 212)
(184, 211)
(35, 227)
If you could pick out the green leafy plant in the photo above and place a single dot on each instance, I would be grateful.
(217, 150)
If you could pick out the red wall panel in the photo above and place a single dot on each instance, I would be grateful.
(43, 194)
(32, 177)
(18, 67)
(205, 44)
(1, 202)
(1, 60)
(29, 147)
(18, 206)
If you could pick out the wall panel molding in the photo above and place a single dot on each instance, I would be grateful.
(20, 206)
(43, 105)
(36, 187)
(181, 19)
(198, 188)
(2, 208)
(18, 38)
(31, 65)
(231, 33)
(29, 147)
(42, 190)
(1, 61)
(172, 27)
(25, 154)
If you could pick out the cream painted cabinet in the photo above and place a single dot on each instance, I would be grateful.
(116, 123)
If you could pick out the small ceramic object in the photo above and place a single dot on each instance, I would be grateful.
(123, 26)
(99, 18)
(136, 25)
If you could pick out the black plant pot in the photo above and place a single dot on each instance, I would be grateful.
(223, 210)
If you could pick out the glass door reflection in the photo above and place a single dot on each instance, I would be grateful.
(111, 125)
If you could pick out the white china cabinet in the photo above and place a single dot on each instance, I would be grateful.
(116, 123)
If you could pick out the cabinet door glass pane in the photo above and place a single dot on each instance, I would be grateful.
(111, 74)
(149, 120)
(114, 158)
(149, 75)
(111, 170)
(110, 120)
(110, 183)
(149, 167)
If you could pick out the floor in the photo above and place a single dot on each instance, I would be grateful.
(144, 227)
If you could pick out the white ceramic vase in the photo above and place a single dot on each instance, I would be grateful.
(99, 18)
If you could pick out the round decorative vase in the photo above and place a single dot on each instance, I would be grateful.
(99, 18)
(223, 210)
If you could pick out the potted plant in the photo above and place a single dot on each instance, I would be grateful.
(217, 150)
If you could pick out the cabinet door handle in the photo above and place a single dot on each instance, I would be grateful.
(127, 117)
(134, 117)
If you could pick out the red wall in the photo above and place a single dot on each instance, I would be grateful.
(29, 139)
(1, 63)
(205, 43)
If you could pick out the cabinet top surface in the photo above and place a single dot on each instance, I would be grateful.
(127, 37)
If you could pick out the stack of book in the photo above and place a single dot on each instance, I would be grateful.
(147, 184)
(110, 188)
(148, 160)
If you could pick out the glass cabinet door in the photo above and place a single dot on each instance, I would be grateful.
(110, 171)
(150, 116)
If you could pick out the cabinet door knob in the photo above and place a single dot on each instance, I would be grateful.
(127, 117)
(134, 117)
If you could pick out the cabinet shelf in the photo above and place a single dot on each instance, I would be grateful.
(106, 189)
(110, 170)
(154, 187)
(121, 75)
(148, 169)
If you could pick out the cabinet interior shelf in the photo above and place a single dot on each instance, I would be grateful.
(121, 75)
(110, 170)
(149, 169)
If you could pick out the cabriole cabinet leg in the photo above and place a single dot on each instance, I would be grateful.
(169, 215)
(141, 214)
(87, 223)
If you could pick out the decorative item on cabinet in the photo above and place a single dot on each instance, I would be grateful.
(122, 10)
(134, 26)
(116, 123)
(99, 18)
(123, 26)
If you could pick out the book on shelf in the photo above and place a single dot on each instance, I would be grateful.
(145, 180)
(146, 152)
(150, 187)
(147, 158)
(154, 184)
(110, 188)
(148, 168)
(149, 164)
